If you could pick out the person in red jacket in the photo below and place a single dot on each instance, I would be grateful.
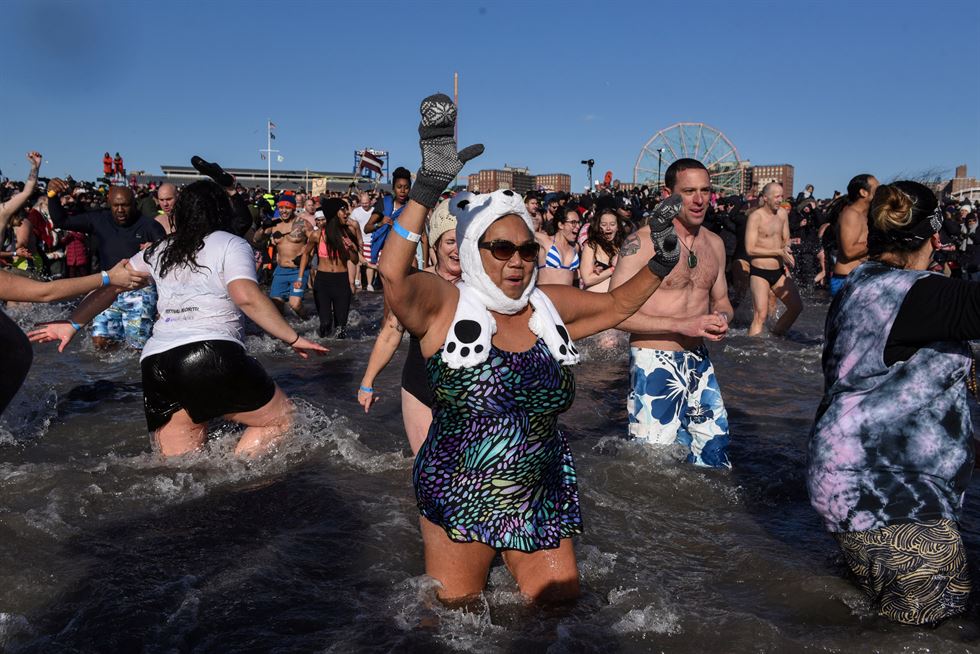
(119, 165)
(107, 164)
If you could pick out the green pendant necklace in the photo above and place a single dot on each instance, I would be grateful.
(692, 258)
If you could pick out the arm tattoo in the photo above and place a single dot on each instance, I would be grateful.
(32, 176)
(631, 246)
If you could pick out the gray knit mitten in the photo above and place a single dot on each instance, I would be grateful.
(666, 245)
(440, 160)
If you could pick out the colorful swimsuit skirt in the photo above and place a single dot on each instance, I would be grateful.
(494, 468)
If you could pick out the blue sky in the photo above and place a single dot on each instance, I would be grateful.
(833, 88)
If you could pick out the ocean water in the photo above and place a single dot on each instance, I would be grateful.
(109, 548)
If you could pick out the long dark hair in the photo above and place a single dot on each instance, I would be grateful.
(201, 208)
(597, 238)
(334, 231)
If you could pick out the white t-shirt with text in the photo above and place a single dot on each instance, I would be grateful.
(193, 303)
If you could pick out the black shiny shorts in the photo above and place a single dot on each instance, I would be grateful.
(208, 379)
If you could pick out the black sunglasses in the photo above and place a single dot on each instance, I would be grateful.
(504, 250)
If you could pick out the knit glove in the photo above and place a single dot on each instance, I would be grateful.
(440, 160)
(666, 245)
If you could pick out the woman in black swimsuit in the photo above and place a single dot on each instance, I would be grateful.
(607, 231)
(416, 394)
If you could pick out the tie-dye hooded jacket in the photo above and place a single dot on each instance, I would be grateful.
(891, 444)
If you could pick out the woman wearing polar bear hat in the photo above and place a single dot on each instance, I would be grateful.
(495, 473)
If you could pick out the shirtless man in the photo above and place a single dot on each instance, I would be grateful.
(852, 229)
(767, 244)
(675, 396)
(166, 199)
(361, 215)
(290, 237)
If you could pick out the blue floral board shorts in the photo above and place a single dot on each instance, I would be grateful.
(129, 319)
(675, 398)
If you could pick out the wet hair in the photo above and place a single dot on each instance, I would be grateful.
(679, 166)
(857, 184)
(201, 209)
(401, 173)
(598, 239)
(903, 216)
(333, 231)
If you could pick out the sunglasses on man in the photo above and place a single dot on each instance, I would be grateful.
(503, 250)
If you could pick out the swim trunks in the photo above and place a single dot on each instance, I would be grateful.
(772, 277)
(675, 398)
(208, 379)
(494, 467)
(282, 283)
(914, 573)
(836, 283)
(130, 318)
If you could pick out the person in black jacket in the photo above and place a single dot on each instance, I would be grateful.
(121, 232)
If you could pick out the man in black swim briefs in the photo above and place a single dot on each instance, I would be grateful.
(767, 244)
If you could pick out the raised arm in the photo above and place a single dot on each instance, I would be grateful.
(587, 313)
(416, 299)
(13, 205)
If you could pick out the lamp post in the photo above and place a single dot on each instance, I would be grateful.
(660, 160)
(589, 163)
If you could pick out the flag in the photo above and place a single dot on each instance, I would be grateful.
(262, 154)
(371, 162)
(280, 158)
(272, 136)
(272, 125)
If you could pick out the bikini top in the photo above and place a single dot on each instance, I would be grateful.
(553, 260)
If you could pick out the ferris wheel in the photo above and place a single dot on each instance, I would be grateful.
(697, 141)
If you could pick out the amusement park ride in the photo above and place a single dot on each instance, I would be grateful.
(697, 141)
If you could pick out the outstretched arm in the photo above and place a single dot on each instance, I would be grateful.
(13, 205)
(18, 288)
(255, 304)
(587, 313)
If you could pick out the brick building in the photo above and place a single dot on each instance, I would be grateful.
(782, 173)
(557, 182)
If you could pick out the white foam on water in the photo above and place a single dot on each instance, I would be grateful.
(414, 606)
(653, 618)
(594, 565)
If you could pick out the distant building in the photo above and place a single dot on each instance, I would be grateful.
(554, 182)
(782, 173)
(963, 187)
(281, 179)
(473, 182)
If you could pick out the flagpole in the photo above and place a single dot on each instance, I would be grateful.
(268, 149)
(456, 124)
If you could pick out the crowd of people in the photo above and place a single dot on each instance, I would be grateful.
(494, 289)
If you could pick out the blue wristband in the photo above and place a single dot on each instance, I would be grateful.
(366, 389)
(405, 234)
(105, 278)
(75, 325)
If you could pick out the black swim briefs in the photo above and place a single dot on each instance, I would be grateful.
(208, 379)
